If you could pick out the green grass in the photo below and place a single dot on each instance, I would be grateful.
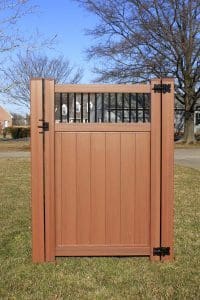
(186, 146)
(95, 278)
(14, 145)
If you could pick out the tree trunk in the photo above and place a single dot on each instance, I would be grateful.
(189, 136)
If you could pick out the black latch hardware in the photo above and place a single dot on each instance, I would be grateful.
(44, 126)
(162, 88)
(161, 251)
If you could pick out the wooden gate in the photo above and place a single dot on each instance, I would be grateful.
(102, 170)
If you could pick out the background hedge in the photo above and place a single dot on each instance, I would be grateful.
(18, 132)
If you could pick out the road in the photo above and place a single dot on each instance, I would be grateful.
(185, 157)
(188, 157)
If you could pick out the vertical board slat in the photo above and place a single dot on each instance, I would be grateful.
(142, 199)
(128, 175)
(83, 188)
(38, 254)
(113, 188)
(58, 186)
(98, 185)
(68, 186)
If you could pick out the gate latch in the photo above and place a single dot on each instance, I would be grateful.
(161, 251)
(44, 126)
(162, 88)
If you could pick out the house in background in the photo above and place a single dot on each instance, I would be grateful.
(5, 118)
(179, 118)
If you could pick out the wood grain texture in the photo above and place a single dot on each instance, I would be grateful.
(38, 246)
(113, 188)
(155, 168)
(142, 200)
(58, 187)
(49, 170)
(69, 202)
(167, 210)
(102, 127)
(102, 88)
(105, 188)
(102, 250)
(83, 188)
(104, 183)
(98, 188)
(128, 188)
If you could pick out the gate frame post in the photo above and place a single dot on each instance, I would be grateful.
(155, 169)
(162, 168)
(37, 172)
(42, 170)
(167, 203)
(49, 117)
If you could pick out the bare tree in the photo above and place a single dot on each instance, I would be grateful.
(12, 34)
(136, 40)
(37, 65)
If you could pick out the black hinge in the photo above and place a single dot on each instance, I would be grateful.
(162, 88)
(44, 126)
(161, 251)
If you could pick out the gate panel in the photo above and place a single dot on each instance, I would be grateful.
(105, 190)
(101, 188)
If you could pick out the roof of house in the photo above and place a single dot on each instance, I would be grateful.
(4, 113)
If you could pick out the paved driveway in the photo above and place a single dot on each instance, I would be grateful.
(185, 157)
(188, 157)
(14, 154)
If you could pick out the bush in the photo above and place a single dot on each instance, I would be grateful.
(19, 132)
(6, 131)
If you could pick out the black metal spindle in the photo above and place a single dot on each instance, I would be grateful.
(129, 108)
(61, 104)
(88, 108)
(136, 107)
(74, 107)
(109, 107)
(123, 108)
(68, 107)
(116, 107)
(81, 107)
(95, 104)
(102, 107)
(143, 107)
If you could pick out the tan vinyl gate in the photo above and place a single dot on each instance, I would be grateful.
(102, 170)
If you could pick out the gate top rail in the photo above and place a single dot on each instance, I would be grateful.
(102, 88)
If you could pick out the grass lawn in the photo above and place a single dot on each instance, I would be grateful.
(95, 278)
(186, 146)
(14, 145)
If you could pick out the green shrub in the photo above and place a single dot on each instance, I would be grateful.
(19, 132)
